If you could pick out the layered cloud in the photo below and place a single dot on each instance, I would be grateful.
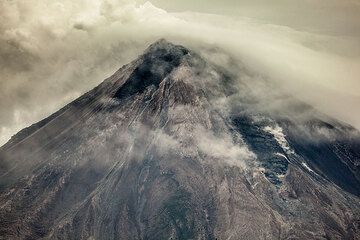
(53, 51)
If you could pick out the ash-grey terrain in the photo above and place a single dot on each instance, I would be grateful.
(173, 146)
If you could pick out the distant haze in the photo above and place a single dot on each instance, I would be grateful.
(51, 52)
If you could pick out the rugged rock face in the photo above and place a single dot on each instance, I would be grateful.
(172, 147)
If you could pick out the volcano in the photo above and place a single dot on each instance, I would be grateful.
(174, 146)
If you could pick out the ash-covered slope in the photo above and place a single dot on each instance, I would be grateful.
(172, 147)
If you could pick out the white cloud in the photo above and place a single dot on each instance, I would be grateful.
(222, 148)
(52, 51)
(279, 136)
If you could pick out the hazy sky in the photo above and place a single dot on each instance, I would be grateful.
(53, 51)
(327, 16)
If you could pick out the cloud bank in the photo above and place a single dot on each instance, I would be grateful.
(53, 51)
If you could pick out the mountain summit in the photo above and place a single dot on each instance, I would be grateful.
(174, 147)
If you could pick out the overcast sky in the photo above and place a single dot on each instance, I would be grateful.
(327, 16)
(53, 51)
